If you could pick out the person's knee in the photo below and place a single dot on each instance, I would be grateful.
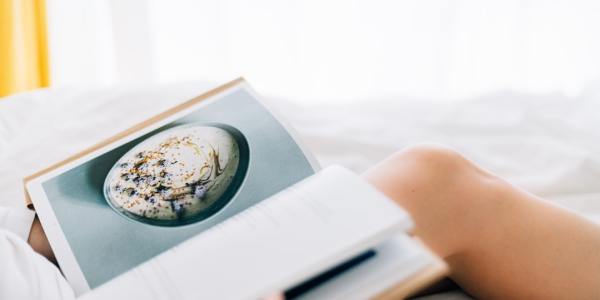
(441, 189)
(433, 172)
(429, 182)
(434, 160)
(425, 165)
(416, 172)
(437, 175)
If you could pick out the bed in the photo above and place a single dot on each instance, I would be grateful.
(547, 144)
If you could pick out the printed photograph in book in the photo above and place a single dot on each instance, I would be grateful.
(178, 176)
(111, 208)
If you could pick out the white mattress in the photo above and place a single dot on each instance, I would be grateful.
(549, 145)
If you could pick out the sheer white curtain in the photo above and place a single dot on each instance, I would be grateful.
(334, 51)
(100, 42)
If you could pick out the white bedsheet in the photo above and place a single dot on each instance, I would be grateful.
(549, 145)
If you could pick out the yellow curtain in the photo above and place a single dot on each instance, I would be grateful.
(23, 46)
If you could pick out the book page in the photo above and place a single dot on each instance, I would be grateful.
(294, 235)
(166, 180)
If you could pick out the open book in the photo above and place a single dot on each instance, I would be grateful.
(216, 198)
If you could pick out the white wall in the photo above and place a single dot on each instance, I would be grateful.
(332, 51)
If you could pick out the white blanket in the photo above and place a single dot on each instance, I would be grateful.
(549, 145)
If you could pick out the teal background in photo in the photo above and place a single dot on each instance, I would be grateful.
(107, 244)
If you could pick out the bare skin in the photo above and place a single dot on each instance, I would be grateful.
(38, 241)
(500, 242)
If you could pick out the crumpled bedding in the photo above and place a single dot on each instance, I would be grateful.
(547, 144)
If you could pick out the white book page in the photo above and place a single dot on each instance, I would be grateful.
(273, 245)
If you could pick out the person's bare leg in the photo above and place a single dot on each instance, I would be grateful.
(500, 242)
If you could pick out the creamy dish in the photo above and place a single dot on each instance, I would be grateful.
(175, 174)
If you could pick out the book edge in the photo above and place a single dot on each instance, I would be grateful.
(427, 276)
